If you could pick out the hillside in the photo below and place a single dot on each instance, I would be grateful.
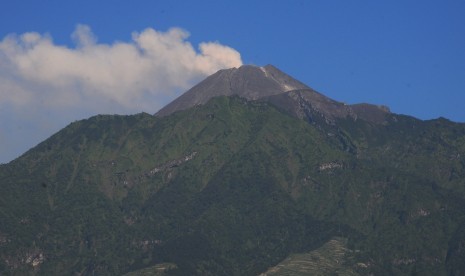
(234, 186)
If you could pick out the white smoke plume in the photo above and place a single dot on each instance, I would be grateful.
(43, 84)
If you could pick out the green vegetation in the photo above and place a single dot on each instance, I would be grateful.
(233, 188)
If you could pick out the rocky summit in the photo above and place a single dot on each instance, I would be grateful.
(269, 84)
(250, 172)
(247, 81)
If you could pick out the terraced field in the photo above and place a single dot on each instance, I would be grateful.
(157, 270)
(333, 258)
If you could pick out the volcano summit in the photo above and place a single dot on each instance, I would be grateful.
(269, 84)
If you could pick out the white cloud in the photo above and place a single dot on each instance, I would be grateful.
(38, 77)
(153, 64)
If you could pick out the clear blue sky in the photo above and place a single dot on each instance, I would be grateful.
(408, 55)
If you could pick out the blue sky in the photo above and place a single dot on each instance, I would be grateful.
(408, 55)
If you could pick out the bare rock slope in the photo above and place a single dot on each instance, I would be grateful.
(271, 85)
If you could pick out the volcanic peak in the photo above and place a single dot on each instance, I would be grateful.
(269, 84)
(248, 81)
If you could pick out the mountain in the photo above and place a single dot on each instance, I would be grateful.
(250, 172)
